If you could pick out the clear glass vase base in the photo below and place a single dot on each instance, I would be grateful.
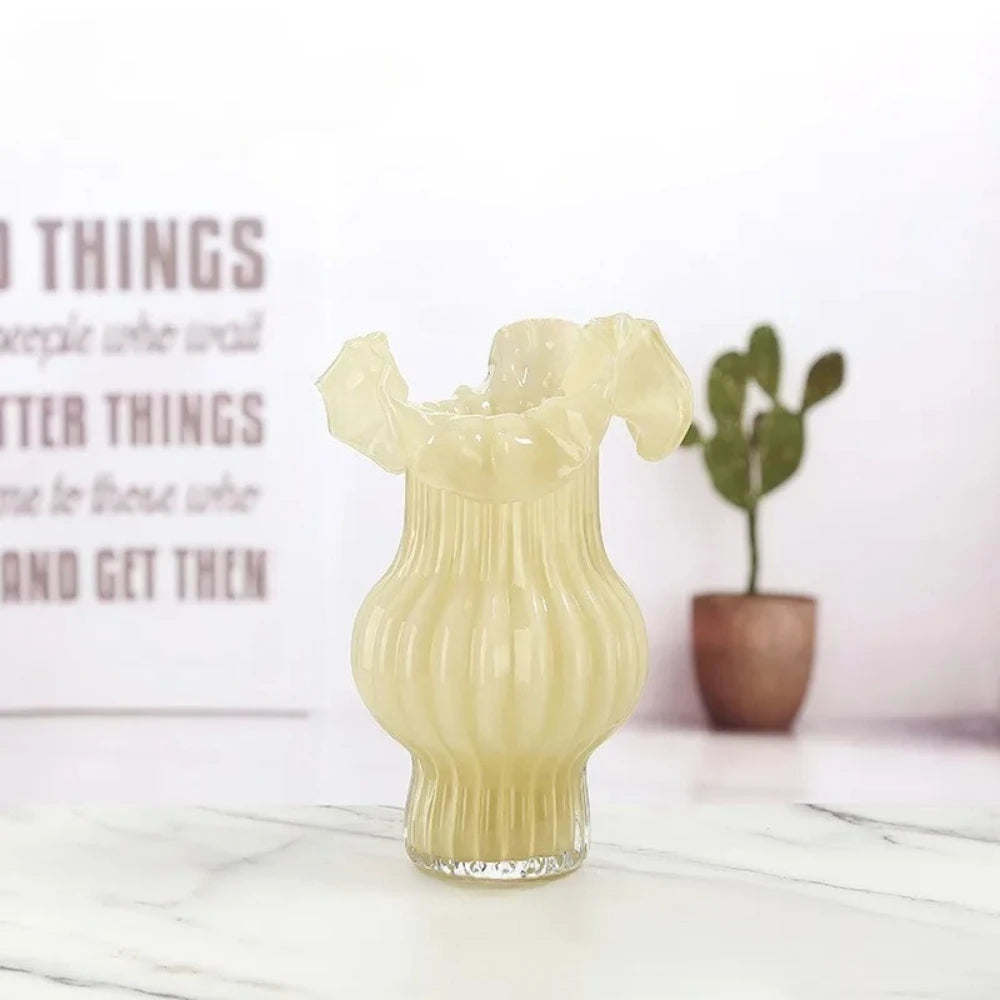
(541, 866)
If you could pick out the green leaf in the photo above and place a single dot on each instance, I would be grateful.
(692, 437)
(727, 387)
(764, 359)
(825, 377)
(726, 457)
(780, 440)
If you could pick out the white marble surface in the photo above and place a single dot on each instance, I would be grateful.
(719, 902)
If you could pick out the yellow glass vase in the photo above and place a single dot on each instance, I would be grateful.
(500, 647)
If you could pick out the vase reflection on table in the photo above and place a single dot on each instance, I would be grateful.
(501, 647)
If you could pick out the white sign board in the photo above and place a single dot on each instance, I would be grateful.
(153, 486)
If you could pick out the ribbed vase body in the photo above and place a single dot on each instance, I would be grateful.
(500, 648)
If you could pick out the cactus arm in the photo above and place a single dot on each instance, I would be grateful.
(825, 377)
(727, 387)
(764, 359)
(780, 440)
(727, 458)
(726, 452)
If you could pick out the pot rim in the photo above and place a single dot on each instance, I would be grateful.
(733, 595)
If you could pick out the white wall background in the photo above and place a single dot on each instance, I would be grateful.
(834, 171)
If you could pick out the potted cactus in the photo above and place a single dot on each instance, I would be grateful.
(753, 651)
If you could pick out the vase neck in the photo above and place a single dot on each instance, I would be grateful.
(446, 530)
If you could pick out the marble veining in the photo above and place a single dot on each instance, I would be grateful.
(752, 902)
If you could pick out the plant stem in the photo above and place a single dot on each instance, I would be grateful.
(754, 483)
(752, 522)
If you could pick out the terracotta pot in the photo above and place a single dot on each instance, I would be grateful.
(753, 655)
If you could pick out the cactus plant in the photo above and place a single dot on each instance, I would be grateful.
(747, 459)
